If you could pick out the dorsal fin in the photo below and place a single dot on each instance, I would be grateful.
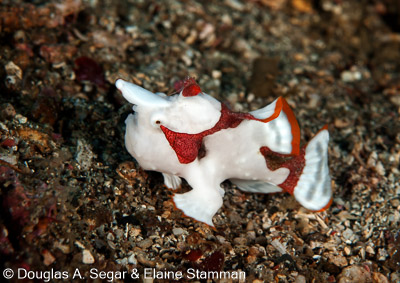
(280, 120)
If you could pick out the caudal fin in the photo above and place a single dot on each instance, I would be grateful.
(313, 189)
(308, 178)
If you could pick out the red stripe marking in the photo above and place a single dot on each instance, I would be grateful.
(294, 126)
(295, 165)
(187, 146)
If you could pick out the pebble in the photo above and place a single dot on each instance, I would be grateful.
(354, 273)
(221, 239)
(379, 278)
(251, 235)
(132, 259)
(350, 76)
(142, 258)
(12, 159)
(237, 5)
(192, 37)
(341, 123)
(240, 241)
(84, 154)
(145, 244)
(111, 244)
(5, 129)
(300, 279)
(216, 74)
(178, 231)
(338, 260)
(63, 248)
(7, 111)
(382, 254)
(314, 101)
(186, 60)
(278, 245)
(48, 258)
(395, 202)
(362, 252)
(395, 100)
(250, 97)
(13, 70)
(119, 233)
(395, 217)
(370, 250)
(395, 277)
(134, 232)
(79, 245)
(380, 169)
(87, 257)
(347, 234)
(123, 261)
(251, 259)
(110, 237)
(21, 119)
(206, 31)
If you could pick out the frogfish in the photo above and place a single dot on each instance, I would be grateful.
(194, 136)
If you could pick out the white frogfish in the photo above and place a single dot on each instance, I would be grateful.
(192, 135)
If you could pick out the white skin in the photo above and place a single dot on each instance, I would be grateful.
(232, 153)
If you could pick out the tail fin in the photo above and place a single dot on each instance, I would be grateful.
(313, 189)
(308, 178)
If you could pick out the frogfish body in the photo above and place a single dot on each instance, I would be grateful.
(192, 135)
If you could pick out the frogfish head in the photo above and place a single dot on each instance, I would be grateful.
(191, 111)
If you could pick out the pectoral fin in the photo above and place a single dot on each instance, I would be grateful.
(172, 181)
(200, 203)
